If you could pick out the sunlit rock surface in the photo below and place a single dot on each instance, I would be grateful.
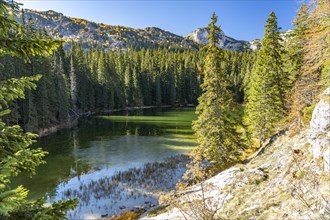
(319, 131)
(200, 36)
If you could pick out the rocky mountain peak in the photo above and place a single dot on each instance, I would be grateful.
(200, 36)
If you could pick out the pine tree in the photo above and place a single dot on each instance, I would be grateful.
(267, 85)
(32, 116)
(102, 80)
(296, 43)
(180, 82)
(61, 89)
(73, 84)
(172, 82)
(15, 154)
(313, 26)
(83, 77)
(128, 86)
(137, 96)
(216, 125)
(158, 90)
(112, 79)
(146, 79)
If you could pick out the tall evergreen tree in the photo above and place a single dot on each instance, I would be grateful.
(73, 84)
(158, 90)
(61, 89)
(216, 125)
(137, 96)
(313, 25)
(128, 86)
(296, 43)
(31, 123)
(267, 85)
(15, 154)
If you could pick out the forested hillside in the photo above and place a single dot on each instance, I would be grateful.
(76, 81)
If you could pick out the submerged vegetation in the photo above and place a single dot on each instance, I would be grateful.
(133, 190)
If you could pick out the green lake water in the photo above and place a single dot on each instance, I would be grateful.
(101, 145)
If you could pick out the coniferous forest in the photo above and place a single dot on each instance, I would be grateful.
(241, 98)
(76, 82)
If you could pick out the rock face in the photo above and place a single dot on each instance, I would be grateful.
(200, 36)
(289, 179)
(319, 132)
(320, 123)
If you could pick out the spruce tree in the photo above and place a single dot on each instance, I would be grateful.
(313, 28)
(216, 125)
(137, 96)
(296, 43)
(15, 154)
(62, 103)
(158, 91)
(128, 86)
(267, 85)
(172, 82)
(73, 84)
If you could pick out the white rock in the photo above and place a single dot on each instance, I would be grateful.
(320, 123)
(319, 132)
(200, 36)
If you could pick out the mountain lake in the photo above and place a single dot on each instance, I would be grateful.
(107, 161)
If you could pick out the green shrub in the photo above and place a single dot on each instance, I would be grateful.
(159, 210)
(308, 111)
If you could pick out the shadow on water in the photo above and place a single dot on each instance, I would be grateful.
(116, 142)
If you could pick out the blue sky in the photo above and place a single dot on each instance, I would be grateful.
(243, 20)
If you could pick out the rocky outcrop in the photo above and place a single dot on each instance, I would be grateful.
(320, 123)
(200, 36)
(319, 132)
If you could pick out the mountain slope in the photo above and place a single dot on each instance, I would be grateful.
(287, 179)
(110, 37)
(113, 37)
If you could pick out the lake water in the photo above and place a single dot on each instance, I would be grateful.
(102, 145)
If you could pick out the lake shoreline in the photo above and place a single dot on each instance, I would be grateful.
(73, 122)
